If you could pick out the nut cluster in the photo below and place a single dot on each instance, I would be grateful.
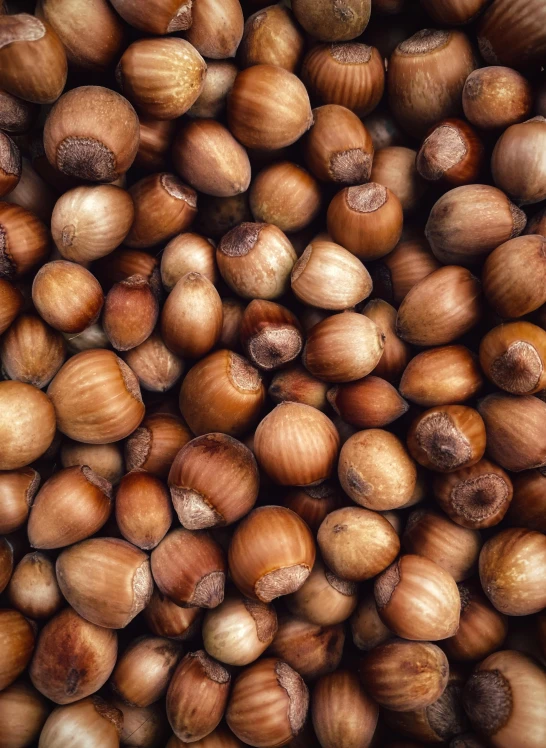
(273, 373)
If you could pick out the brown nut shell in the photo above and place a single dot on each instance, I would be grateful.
(72, 505)
(118, 582)
(405, 675)
(357, 544)
(512, 571)
(213, 481)
(73, 658)
(418, 599)
(190, 568)
(296, 445)
(368, 474)
(99, 148)
(271, 554)
(162, 77)
(75, 396)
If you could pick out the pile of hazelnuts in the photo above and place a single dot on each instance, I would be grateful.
(273, 361)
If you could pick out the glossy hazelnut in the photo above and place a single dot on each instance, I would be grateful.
(366, 220)
(328, 22)
(23, 712)
(418, 599)
(327, 276)
(441, 376)
(187, 253)
(452, 153)
(496, 97)
(447, 438)
(75, 396)
(343, 348)
(456, 234)
(405, 675)
(104, 459)
(162, 77)
(31, 351)
(453, 12)
(457, 298)
(33, 588)
(17, 490)
(296, 445)
(156, 367)
(164, 206)
(367, 628)
(24, 241)
(94, 717)
(476, 496)
(92, 133)
(454, 548)
(219, 80)
(505, 38)
(396, 352)
(482, 629)
(208, 157)
(118, 580)
(268, 108)
(312, 650)
(190, 568)
(216, 27)
(191, 320)
(514, 426)
(73, 658)
(513, 276)
(197, 696)
(67, 296)
(156, 136)
(351, 75)
(271, 554)
(503, 673)
(395, 274)
(158, 17)
(285, 195)
(27, 424)
(313, 503)
(122, 264)
(239, 630)
(213, 481)
(17, 639)
(154, 445)
(512, 570)
(368, 403)
(255, 260)
(427, 73)
(32, 59)
(92, 34)
(342, 712)
(271, 37)
(324, 598)
(233, 390)
(268, 704)
(143, 509)
(72, 505)
(356, 544)
(142, 673)
(338, 148)
(165, 618)
(517, 163)
(376, 471)
(90, 222)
